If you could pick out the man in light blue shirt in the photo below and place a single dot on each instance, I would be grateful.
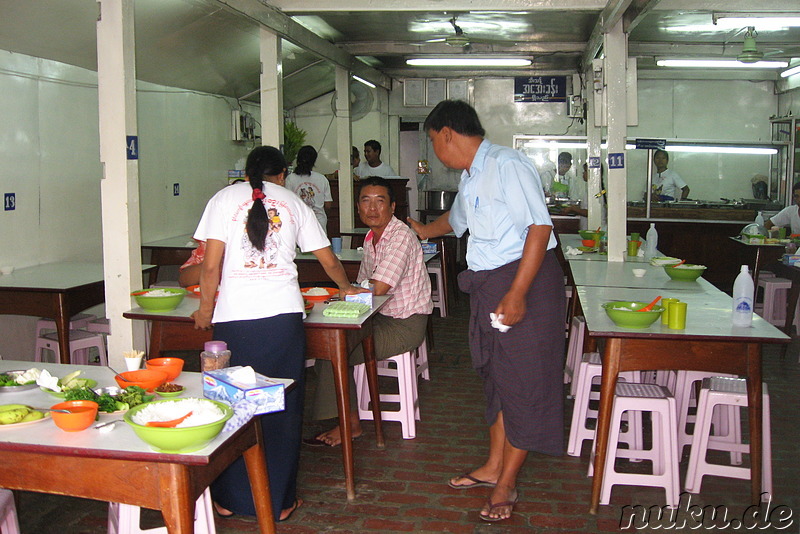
(513, 274)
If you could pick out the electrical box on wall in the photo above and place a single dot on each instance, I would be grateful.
(576, 107)
(243, 126)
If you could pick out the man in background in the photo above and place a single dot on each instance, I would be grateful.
(373, 166)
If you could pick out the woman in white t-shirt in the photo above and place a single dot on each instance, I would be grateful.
(259, 313)
(312, 187)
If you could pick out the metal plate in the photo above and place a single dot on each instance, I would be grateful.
(12, 389)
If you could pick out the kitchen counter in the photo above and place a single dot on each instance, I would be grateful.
(697, 213)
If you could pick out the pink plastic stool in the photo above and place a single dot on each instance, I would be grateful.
(438, 295)
(590, 369)
(423, 370)
(9, 523)
(79, 341)
(664, 452)
(684, 392)
(77, 321)
(577, 332)
(719, 392)
(406, 373)
(124, 518)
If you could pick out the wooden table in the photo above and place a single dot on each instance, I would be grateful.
(117, 466)
(764, 254)
(574, 241)
(310, 271)
(709, 343)
(326, 339)
(56, 291)
(171, 251)
(791, 272)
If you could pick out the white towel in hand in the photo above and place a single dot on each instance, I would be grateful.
(497, 322)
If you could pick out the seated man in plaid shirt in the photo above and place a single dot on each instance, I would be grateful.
(393, 264)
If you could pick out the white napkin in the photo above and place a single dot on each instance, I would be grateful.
(46, 380)
(572, 251)
(243, 375)
(497, 322)
(243, 411)
(365, 283)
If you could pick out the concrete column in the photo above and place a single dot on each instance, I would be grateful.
(616, 55)
(271, 89)
(119, 187)
(344, 147)
(594, 134)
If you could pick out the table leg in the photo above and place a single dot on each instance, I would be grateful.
(340, 379)
(178, 505)
(368, 344)
(757, 266)
(259, 484)
(754, 412)
(62, 326)
(791, 306)
(608, 384)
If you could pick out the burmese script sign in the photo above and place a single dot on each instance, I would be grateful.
(540, 89)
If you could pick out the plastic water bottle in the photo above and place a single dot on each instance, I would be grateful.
(743, 298)
(760, 219)
(215, 356)
(652, 242)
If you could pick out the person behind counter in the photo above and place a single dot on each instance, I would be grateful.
(259, 312)
(373, 166)
(393, 263)
(667, 184)
(788, 216)
(581, 194)
(512, 273)
(312, 187)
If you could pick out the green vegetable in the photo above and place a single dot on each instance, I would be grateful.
(133, 396)
(81, 394)
(7, 380)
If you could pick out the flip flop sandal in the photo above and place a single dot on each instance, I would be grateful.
(491, 519)
(297, 504)
(476, 483)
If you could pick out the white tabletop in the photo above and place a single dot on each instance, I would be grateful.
(708, 315)
(351, 255)
(181, 241)
(620, 274)
(574, 241)
(55, 276)
(120, 438)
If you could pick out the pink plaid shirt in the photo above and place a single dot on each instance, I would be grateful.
(397, 261)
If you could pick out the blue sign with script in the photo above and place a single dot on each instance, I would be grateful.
(540, 89)
(132, 146)
(655, 144)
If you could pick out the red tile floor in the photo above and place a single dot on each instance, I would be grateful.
(403, 488)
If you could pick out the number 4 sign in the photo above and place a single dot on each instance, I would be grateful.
(132, 146)
(616, 160)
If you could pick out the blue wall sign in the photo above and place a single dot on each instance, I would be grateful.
(655, 144)
(132, 146)
(540, 89)
(594, 163)
(616, 160)
(9, 201)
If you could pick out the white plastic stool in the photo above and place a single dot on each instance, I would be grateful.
(590, 369)
(406, 374)
(124, 518)
(574, 351)
(684, 392)
(77, 321)
(100, 325)
(79, 340)
(776, 291)
(664, 452)
(438, 295)
(423, 370)
(8, 513)
(723, 391)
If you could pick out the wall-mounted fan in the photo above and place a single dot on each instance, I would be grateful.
(460, 39)
(360, 101)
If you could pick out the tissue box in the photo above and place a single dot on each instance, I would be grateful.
(363, 298)
(791, 259)
(266, 393)
(429, 248)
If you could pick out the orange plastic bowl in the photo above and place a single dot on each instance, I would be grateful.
(171, 366)
(147, 379)
(319, 298)
(82, 414)
(588, 242)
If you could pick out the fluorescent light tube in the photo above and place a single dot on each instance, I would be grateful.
(790, 72)
(721, 63)
(759, 23)
(365, 82)
(469, 62)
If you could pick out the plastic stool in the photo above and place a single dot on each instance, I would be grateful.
(574, 351)
(776, 291)
(100, 325)
(8, 513)
(77, 321)
(589, 369)
(664, 452)
(406, 375)
(723, 391)
(684, 392)
(423, 370)
(438, 295)
(124, 518)
(79, 340)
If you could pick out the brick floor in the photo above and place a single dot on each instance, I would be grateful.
(403, 489)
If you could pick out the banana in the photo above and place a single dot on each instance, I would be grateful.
(34, 415)
(7, 407)
(9, 417)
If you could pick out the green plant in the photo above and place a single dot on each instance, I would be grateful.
(293, 139)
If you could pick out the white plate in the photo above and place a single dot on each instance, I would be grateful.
(26, 423)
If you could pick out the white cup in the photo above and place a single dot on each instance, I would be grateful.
(639, 272)
(133, 364)
(8, 269)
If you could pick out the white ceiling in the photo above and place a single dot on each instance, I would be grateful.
(212, 45)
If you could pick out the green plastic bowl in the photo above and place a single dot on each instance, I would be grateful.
(590, 234)
(686, 272)
(178, 440)
(160, 304)
(624, 313)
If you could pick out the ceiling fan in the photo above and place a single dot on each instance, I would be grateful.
(460, 39)
(750, 52)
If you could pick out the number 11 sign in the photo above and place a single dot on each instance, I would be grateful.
(616, 160)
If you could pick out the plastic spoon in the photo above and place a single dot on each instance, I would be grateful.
(650, 306)
(119, 375)
(679, 263)
(168, 424)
